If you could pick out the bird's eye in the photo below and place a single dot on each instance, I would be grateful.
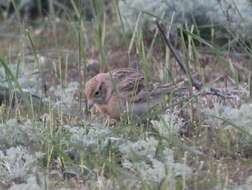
(97, 93)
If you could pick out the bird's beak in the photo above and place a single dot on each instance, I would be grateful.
(90, 104)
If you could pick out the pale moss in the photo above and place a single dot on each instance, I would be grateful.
(237, 121)
(168, 124)
(141, 148)
(31, 184)
(90, 138)
(13, 133)
(65, 96)
(143, 160)
(17, 163)
(241, 117)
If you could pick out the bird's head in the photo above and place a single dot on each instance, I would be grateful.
(98, 89)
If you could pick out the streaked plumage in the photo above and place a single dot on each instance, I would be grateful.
(124, 90)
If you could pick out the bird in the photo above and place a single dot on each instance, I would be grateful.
(124, 90)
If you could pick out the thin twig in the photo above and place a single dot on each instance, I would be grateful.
(195, 83)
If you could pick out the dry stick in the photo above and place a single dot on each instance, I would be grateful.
(194, 82)
(197, 84)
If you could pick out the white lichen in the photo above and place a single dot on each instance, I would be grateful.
(90, 138)
(13, 133)
(30, 184)
(227, 117)
(168, 124)
(16, 163)
(142, 159)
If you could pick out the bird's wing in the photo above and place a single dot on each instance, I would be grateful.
(129, 82)
(155, 91)
(132, 87)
